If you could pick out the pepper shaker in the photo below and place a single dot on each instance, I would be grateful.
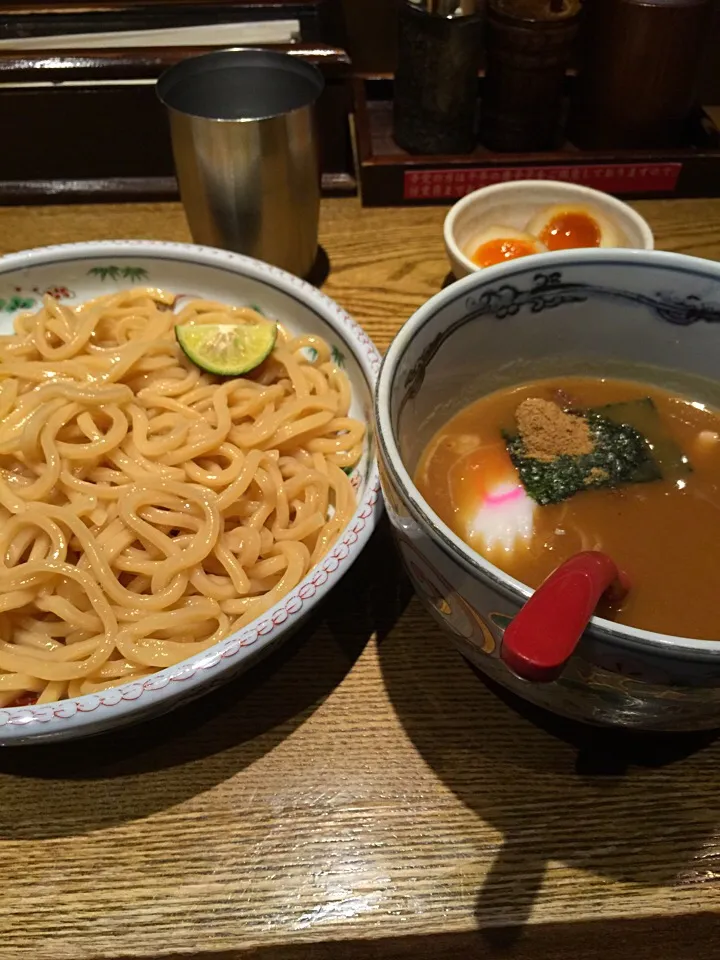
(639, 70)
(436, 82)
(529, 48)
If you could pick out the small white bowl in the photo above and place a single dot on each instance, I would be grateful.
(515, 203)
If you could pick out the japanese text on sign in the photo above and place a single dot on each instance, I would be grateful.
(612, 178)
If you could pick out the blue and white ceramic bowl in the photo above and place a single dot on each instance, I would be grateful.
(642, 315)
(77, 272)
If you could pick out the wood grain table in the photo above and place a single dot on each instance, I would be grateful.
(362, 794)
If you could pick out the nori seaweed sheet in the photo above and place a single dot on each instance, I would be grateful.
(621, 455)
(643, 415)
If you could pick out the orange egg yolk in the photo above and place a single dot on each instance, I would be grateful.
(497, 251)
(569, 230)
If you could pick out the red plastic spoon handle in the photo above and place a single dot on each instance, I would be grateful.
(541, 638)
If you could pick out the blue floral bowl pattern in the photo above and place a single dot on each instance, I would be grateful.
(636, 314)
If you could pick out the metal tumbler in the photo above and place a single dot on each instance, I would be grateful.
(246, 152)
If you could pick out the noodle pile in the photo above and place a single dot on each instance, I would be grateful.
(147, 509)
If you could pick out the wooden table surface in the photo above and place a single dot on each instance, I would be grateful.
(362, 794)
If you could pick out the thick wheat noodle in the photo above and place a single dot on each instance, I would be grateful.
(147, 509)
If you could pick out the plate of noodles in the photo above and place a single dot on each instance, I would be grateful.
(162, 527)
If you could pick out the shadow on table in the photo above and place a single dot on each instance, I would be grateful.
(666, 938)
(64, 789)
(320, 270)
(628, 807)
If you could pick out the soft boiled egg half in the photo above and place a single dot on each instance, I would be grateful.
(566, 227)
(496, 244)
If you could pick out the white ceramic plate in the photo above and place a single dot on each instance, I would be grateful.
(77, 272)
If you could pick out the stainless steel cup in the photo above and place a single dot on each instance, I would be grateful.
(246, 155)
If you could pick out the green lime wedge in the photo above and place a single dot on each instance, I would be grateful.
(227, 349)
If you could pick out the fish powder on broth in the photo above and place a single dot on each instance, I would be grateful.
(665, 533)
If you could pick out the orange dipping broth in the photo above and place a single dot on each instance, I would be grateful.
(665, 534)
(498, 251)
(571, 230)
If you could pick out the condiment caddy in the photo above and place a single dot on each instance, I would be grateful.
(389, 175)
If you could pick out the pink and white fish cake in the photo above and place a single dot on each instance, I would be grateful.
(496, 512)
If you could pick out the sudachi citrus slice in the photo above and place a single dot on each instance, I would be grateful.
(227, 349)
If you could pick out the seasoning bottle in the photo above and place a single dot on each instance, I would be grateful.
(530, 44)
(436, 82)
(639, 66)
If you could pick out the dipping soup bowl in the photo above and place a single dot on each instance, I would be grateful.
(641, 315)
